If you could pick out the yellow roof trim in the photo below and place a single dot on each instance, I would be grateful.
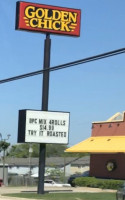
(103, 144)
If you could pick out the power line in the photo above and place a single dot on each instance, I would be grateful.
(70, 64)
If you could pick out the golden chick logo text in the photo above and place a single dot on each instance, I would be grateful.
(50, 19)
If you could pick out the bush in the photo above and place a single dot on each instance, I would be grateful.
(98, 183)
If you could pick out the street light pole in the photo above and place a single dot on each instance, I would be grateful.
(30, 153)
(4, 166)
(4, 150)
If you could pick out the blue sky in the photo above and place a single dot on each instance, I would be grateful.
(90, 92)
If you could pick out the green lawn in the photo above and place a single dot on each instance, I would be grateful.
(66, 196)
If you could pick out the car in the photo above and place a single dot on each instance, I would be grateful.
(52, 183)
(72, 177)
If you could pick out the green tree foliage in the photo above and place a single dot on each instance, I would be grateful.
(55, 150)
(4, 145)
(22, 151)
(56, 173)
(52, 150)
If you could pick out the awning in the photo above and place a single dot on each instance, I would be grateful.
(103, 144)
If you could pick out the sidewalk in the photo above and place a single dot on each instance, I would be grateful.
(5, 190)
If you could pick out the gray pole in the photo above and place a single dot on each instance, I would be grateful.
(4, 182)
(45, 96)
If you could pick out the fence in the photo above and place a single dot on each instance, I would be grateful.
(22, 181)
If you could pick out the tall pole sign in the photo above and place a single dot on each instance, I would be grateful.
(49, 20)
(45, 97)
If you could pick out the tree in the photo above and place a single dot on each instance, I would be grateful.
(52, 150)
(22, 150)
(56, 174)
(4, 145)
(55, 150)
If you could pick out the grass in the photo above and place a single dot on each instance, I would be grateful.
(66, 196)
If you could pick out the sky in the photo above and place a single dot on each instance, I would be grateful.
(90, 92)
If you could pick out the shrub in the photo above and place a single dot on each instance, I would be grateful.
(98, 183)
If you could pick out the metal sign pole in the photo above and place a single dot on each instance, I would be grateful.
(45, 96)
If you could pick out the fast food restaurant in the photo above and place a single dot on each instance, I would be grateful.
(106, 147)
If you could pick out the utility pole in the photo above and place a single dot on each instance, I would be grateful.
(30, 153)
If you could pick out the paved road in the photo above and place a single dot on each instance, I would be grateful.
(5, 190)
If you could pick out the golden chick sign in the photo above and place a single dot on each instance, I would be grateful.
(48, 19)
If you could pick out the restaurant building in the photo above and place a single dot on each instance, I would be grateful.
(107, 148)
